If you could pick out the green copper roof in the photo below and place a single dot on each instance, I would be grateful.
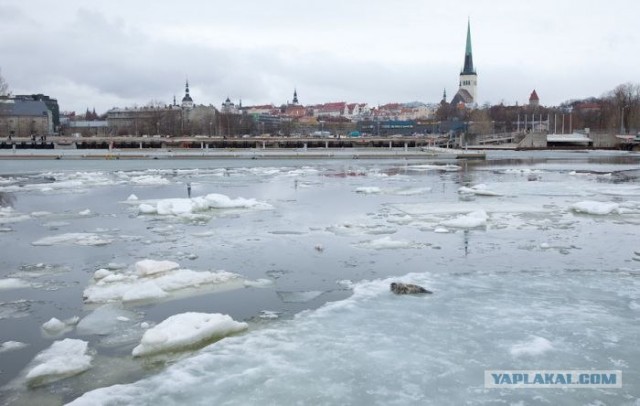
(468, 54)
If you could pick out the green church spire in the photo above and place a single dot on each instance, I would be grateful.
(468, 54)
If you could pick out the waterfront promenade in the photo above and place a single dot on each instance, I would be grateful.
(220, 148)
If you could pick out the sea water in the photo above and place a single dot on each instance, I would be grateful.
(533, 259)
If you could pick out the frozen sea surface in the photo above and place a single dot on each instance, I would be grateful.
(533, 259)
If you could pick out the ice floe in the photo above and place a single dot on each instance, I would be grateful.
(368, 190)
(181, 207)
(186, 330)
(13, 283)
(61, 360)
(533, 347)
(474, 219)
(55, 327)
(387, 243)
(9, 215)
(444, 168)
(154, 280)
(12, 346)
(106, 319)
(597, 208)
(84, 239)
(147, 267)
(480, 190)
(350, 229)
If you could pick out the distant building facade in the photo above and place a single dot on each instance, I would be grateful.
(25, 117)
(187, 118)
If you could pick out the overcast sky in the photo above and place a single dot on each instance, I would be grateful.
(106, 53)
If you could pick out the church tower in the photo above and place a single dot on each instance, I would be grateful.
(468, 76)
(295, 97)
(187, 101)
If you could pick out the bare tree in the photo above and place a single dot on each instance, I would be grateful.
(626, 99)
(4, 86)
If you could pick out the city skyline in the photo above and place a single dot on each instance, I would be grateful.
(117, 54)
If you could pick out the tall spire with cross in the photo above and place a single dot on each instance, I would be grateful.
(468, 76)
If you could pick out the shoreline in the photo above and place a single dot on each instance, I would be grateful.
(321, 153)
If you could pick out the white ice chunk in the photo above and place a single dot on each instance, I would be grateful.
(85, 212)
(593, 207)
(85, 239)
(131, 286)
(535, 346)
(145, 208)
(62, 359)
(185, 330)
(149, 180)
(54, 326)
(13, 283)
(148, 267)
(386, 243)
(474, 219)
(12, 346)
(368, 190)
(440, 230)
(147, 290)
(101, 273)
(183, 207)
(480, 190)
(132, 197)
(219, 201)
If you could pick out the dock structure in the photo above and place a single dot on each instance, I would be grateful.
(209, 147)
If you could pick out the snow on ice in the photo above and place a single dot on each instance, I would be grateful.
(186, 330)
(533, 347)
(154, 280)
(593, 207)
(55, 327)
(180, 207)
(474, 219)
(12, 346)
(61, 360)
(480, 190)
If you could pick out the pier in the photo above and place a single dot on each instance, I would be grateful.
(221, 148)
